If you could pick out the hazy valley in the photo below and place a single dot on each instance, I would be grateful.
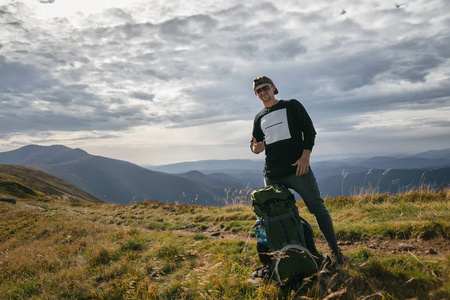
(218, 182)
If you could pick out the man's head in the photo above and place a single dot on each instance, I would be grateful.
(261, 81)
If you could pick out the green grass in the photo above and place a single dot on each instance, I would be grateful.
(52, 249)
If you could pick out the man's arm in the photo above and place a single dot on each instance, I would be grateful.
(303, 163)
(257, 147)
(305, 125)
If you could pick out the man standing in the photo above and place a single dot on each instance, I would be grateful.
(284, 130)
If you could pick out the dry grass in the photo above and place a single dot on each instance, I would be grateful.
(52, 249)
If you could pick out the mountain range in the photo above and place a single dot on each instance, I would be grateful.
(362, 173)
(207, 182)
(117, 181)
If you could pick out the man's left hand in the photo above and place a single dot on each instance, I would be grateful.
(302, 163)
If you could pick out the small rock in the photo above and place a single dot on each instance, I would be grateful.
(411, 284)
(344, 243)
(215, 233)
(373, 245)
(406, 247)
(431, 251)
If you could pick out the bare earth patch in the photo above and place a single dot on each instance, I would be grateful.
(431, 248)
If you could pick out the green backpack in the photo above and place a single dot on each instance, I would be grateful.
(292, 255)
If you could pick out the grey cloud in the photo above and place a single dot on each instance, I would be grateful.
(18, 77)
(248, 50)
(45, 138)
(343, 116)
(143, 96)
(185, 29)
(148, 55)
(356, 70)
(119, 14)
(14, 24)
(436, 123)
(131, 31)
(334, 124)
(255, 34)
(162, 75)
(287, 50)
(69, 94)
(416, 69)
(171, 65)
(414, 59)
(56, 106)
(40, 121)
(411, 61)
(73, 118)
(216, 103)
(412, 100)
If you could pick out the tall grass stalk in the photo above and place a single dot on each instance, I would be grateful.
(344, 175)
(238, 196)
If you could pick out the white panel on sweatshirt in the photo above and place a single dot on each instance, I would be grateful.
(275, 126)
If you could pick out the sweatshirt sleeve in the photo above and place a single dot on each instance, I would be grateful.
(305, 125)
(257, 132)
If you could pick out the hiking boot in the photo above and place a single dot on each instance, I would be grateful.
(337, 258)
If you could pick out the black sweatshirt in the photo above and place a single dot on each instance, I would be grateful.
(286, 130)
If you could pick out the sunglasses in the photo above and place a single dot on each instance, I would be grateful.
(265, 89)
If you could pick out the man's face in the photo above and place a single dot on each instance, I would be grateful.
(265, 92)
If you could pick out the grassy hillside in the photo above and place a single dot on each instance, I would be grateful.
(63, 250)
(23, 182)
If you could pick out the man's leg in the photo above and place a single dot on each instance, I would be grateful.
(306, 186)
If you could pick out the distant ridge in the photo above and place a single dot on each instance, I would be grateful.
(116, 181)
(206, 182)
(431, 154)
(229, 165)
(39, 155)
(429, 168)
(25, 183)
(385, 181)
(414, 162)
(428, 159)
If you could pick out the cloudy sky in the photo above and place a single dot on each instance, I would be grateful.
(155, 81)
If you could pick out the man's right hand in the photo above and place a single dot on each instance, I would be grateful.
(257, 147)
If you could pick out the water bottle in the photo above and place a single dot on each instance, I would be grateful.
(260, 233)
(262, 245)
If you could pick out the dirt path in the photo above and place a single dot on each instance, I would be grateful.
(431, 248)
(33, 207)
